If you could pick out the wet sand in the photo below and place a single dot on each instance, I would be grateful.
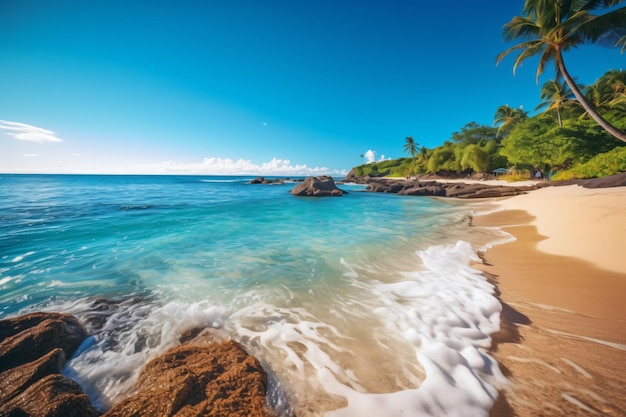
(563, 339)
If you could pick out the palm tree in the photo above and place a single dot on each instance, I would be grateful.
(507, 117)
(411, 147)
(608, 91)
(613, 86)
(551, 27)
(555, 95)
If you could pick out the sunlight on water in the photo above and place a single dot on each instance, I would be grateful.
(357, 305)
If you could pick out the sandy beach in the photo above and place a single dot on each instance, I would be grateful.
(562, 284)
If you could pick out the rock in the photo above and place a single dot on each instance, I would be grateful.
(263, 180)
(33, 349)
(442, 189)
(16, 380)
(219, 379)
(27, 338)
(52, 396)
(323, 186)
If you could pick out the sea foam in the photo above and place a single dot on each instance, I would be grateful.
(415, 346)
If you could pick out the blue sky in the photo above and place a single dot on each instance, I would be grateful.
(281, 87)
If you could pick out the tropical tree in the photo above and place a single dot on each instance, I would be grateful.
(555, 95)
(551, 27)
(613, 86)
(473, 134)
(507, 117)
(410, 146)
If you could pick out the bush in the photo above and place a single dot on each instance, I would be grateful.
(602, 165)
(517, 175)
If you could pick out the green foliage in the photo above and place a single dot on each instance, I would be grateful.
(602, 165)
(393, 168)
(539, 141)
(474, 133)
(517, 175)
(475, 158)
(443, 158)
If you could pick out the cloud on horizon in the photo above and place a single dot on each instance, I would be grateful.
(28, 133)
(370, 156)
(227, 166)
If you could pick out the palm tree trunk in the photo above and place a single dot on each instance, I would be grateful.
(619, 134)
(558, 113)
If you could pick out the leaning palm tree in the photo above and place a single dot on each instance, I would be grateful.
(555, 95)
(551, 27)
(507, 117)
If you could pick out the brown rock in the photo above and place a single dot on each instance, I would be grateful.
(52, 396)
(33, 349)
(27, 338)
(18, 379)
(219, 379)
(323, 186)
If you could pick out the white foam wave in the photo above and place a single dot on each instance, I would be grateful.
(411, 344)
(444, 316)
(107, 365)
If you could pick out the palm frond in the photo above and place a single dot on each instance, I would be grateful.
(546, 56)
(598, 4)
(606, 29)
(527, 49)
(622, 42)
(520, 27)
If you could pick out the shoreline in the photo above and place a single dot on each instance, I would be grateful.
(562, 342)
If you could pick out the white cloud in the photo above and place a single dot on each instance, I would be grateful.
(227, 166)
(22, 131)
(370, 155)
(30, 155)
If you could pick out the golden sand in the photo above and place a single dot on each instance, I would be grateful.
(562, 284)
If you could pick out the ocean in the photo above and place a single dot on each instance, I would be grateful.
(365, 304)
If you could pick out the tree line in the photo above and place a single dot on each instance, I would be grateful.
(578, 121)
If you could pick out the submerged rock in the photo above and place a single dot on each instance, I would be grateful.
(323, 186)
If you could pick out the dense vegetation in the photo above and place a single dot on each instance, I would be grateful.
(582, 131)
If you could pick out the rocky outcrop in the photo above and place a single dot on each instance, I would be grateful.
(33, 350)
(219, 379)
(323, 186)
(442, 189)
(263, 180)
(617, 180)
(209, 375)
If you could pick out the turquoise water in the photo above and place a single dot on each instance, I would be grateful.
(319, 289)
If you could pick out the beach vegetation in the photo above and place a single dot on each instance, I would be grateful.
(602, 165)
(561, 138)
(516, 175)
(556, 95)
(547, 29)
(410, 146)
(540, 141)
(507, 117)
